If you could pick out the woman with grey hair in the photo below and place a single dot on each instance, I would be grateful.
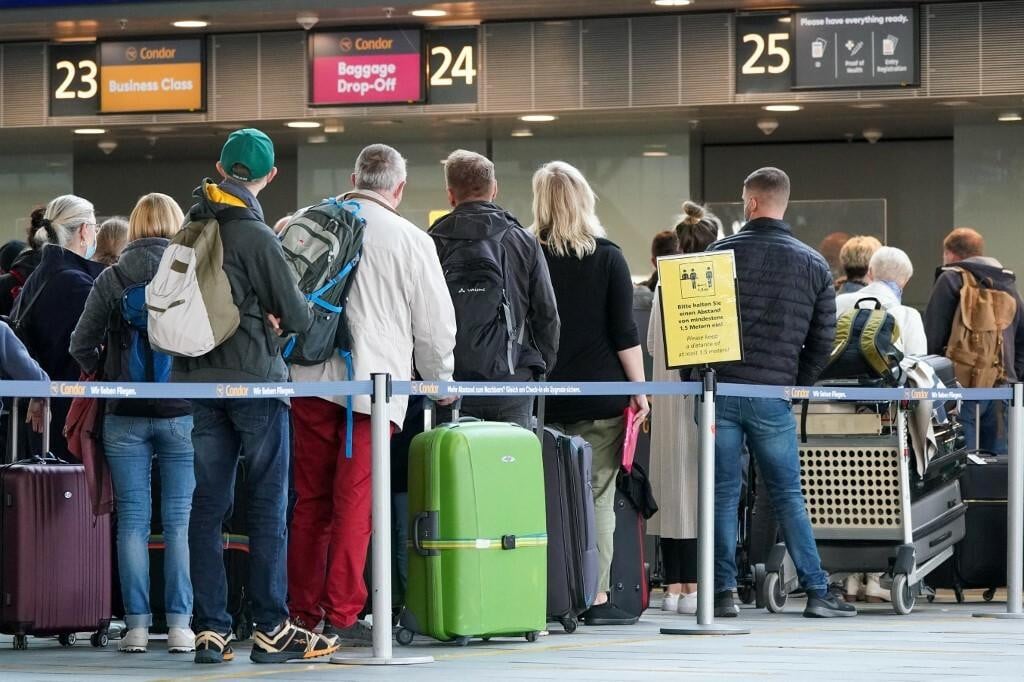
(889, 270)
(52, 300)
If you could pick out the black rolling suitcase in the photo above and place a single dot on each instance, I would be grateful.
(572, 534)
(979, 560)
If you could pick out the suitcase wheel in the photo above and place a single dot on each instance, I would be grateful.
(989, 594)
(404, 636)
(569, 624)
(902, 595)
(774, 593)
(99, 639)
(20, 642)
(462, 641)
(68, 639)
(531, 636)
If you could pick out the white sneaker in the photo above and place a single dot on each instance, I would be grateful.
(181, 641)
(670, 602)
(688, 604)
(134, 641)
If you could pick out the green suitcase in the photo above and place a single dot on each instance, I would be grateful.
(478, 536)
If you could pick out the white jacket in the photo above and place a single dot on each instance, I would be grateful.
(912, 338)
(399, 309)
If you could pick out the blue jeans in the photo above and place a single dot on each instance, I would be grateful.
(770, 430)
(258, 431)
(130, 444)
(991, 434)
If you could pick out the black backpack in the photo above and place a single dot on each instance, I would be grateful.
(486, 344)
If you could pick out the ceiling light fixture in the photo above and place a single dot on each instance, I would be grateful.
(782, 108)
(428, 13)
(334, 128)
(190, 23)
(1011, 117)
(522, 132)
(786, 20)
(537, 118)
(868, 105)
(90, 131)
(954, 103)
(303, 124)
(655, 154)
(672, 3)
(316, 139)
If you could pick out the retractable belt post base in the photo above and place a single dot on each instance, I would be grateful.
(1014, 512)
(380, 430)
(706, 520)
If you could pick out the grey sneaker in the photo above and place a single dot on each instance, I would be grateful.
(355, 635)
(725, 607)
(828, 605)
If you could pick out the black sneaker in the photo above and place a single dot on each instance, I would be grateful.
(291, 643)
(607, 614)
(213, 647)
(828, 605)
(725, 607)
(355, 635)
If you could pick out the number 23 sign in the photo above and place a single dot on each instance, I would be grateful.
(764, 58)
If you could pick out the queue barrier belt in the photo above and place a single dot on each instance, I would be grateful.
(214, 391)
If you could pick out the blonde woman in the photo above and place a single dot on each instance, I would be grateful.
(598, 342)
(136, 430)
(111, 240)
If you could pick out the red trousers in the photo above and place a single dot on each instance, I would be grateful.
(331, 525)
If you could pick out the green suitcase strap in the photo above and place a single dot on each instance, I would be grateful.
(231, 541)
(424, 547)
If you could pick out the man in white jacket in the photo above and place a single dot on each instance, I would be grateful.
(399, 310)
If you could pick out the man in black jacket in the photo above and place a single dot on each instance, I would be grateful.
(504, 302)
(788, 317)
(984, 421)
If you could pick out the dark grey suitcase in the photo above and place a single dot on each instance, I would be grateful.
(572, 534)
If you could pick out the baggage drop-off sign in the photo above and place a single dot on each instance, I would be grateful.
(700, 312)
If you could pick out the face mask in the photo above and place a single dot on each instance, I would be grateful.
(90, 251)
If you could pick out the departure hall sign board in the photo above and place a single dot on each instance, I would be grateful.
(139, 76)
(853, 49)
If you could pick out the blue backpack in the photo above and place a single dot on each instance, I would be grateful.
(139, 362)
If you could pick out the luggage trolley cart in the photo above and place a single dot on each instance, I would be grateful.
(870, 510)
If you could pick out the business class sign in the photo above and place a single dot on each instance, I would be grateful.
(366, 67)
(140, 76)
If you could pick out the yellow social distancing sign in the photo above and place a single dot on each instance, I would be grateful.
(700, 310)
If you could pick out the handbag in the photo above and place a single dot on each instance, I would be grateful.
(84, 433)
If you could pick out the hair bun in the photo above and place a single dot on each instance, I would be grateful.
(693, 212)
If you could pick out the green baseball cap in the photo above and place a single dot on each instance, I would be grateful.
(247, 155)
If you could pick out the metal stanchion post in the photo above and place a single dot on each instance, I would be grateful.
(1014, 511)
(380, 430)
(706, 520)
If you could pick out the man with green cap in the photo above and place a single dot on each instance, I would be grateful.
(270, 305)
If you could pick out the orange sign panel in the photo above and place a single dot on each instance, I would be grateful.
(151, 76)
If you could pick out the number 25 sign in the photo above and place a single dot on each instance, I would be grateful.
(764, 57)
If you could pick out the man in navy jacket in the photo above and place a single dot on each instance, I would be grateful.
(787, 313)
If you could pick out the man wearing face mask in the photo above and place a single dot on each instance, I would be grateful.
(49, 305)
(788, 316)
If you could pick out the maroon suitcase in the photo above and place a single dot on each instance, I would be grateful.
(55, 556)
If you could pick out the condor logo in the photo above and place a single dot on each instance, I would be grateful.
(73, 390)
(797, 393)
(919, 395)
(229, 391)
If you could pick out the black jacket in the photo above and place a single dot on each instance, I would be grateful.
(787, 306)
(261, 283)
(49, 306)
(529, 285)
(11, 282)
(945, 301)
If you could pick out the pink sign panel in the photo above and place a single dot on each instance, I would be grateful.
(367, 67)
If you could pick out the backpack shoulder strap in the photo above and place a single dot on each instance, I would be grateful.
(844, 329)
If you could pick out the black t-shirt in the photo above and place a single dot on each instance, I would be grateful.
(595, 305)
